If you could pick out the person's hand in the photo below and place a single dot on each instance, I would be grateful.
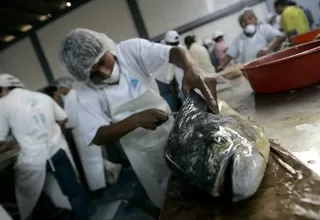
(149, 119)
(262, 52)
(194, 78)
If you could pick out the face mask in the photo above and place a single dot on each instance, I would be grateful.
(250, 29)
(115, 75)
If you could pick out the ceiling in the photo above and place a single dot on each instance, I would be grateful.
(17, 17)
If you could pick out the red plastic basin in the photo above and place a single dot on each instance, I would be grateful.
(285, 70)
(306, 37)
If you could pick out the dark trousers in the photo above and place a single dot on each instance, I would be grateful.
(70, 186)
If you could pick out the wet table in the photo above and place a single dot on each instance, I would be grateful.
(286, 192)
(291, 118)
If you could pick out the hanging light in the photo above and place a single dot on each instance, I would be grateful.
(43, 17)
(68, 4)
(25, 28)
(9, 38)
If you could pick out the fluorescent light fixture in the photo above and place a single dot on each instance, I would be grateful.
(25, 28)
(9, 38)
(43, 17)
(68, 4)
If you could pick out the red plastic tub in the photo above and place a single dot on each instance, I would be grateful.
(285, 70)
(306, 37)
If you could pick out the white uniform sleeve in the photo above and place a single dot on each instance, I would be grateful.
(92, 117)
(152, 58)
(59, 113)
(233, 50)
(270, 33)
(4, 127)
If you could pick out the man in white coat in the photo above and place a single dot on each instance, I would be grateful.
(256, 40)
(91, 156)
(119, 97)
(44, 162)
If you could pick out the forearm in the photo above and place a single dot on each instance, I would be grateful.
(114, 132)
(181, 58)
(276, 44)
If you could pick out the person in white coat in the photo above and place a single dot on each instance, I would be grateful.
(44, 163)
(91, 156)
(172, 38)
(119, 97)
(256, 40)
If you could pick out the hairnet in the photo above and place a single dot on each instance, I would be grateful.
(81, 49)
(7, 80)
(66, 82)
(245, 10)
(171, 37)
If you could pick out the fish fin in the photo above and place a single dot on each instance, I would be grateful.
(247, 173)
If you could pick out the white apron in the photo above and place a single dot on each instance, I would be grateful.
(145, 148)
(249, 47)
(91, 160)
(90, 156)
(31, 180)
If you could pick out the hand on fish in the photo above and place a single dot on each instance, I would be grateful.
(194, 78)
(149, 119)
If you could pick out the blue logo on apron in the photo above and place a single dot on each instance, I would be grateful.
(134, 82)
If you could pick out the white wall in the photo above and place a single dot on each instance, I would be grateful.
(229, 25)
(108, 16)
(21, 61)
(161, 15)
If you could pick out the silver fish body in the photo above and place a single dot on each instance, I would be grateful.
(217, 153)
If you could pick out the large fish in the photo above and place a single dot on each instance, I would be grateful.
(217, 152)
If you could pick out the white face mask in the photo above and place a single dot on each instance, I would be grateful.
(250, 29)
(115, 75)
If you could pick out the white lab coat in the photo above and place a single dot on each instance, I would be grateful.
(136, 91)
(245, 49)
(90, 156)
(31, 117)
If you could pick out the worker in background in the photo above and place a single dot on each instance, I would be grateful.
(200, 54)
(318, 21)
(119, 98)
(44, 160)
(91, 156)
(171, 92)
(307, 12)
(293, 19)
(274, 20)
(220, 47)
(256, 40)
(209, 45)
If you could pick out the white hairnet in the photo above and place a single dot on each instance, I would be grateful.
(7, 80)
(171, 37)
(218, 34)
(81, 49)
(245, 10)
(65, 81)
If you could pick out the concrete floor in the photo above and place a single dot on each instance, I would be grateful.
(291, 118)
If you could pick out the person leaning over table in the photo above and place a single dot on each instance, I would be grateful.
(293, 19)
(256, 40)
(44, 164)
(119, 98)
